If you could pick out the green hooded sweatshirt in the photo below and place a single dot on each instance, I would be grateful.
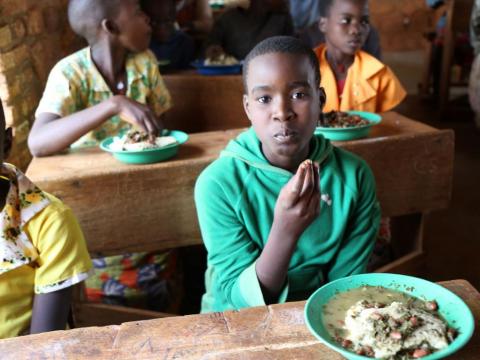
(235, 198)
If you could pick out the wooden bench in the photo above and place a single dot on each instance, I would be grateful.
(151, 207)
(205, 103)
(273, 332)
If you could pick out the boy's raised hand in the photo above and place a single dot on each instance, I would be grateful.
(139, 115)
(298, 203)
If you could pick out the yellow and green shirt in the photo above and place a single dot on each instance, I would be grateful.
(42, 249)
(75, 84)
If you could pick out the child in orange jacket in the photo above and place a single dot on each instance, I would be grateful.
(353, 79)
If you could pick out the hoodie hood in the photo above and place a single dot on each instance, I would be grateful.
(247, 148)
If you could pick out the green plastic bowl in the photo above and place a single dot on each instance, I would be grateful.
(147, 156)
(344, 134)
(450, 306)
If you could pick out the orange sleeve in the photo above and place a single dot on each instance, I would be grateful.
(390, 91)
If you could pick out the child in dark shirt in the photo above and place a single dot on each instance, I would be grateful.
(173, 48)
(238, 30)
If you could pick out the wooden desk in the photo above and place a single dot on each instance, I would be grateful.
(273, 332)
(150, 207)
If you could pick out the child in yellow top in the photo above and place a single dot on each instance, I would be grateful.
(102, 89)
(353, 79)
(42, 252)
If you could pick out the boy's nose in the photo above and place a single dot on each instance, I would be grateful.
(283, 110)
(355, 28)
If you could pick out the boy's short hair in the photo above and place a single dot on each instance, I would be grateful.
(85, 16)
(325, 6)
(282, 45)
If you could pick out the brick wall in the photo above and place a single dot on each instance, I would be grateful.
(34, 35)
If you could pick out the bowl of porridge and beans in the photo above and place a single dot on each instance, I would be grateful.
(389, 316)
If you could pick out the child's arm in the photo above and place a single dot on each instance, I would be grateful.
(51, 133)
(63, 262)
(50, 311)
(297, 206)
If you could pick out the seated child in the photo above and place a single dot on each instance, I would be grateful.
(95, 93)
(238, 30)
(168, 43)
(282, 211)
(353, 79)
(306, 14)
(42, 249)
(104, 88)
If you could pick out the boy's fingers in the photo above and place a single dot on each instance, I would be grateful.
(317, 177)
(309, 184)
(314, 204)
(295, 185)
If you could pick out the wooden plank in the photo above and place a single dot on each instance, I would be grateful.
(93, 314)
(205, 103)
(151, 207)
(273, 332)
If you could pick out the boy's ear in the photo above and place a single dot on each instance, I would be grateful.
(322, 24)
(246, 105)
(7, 142)
(322, 97)
(110, 27)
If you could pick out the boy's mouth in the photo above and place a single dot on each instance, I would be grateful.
(355, 42)
(285, 135)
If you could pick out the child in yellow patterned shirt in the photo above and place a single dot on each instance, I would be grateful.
(42, 252)
(104, 88)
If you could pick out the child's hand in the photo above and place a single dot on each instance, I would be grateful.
(137, 114)
(213, 52)
(298, 203)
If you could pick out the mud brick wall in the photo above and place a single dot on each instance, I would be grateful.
(34, 35)
(401, 23)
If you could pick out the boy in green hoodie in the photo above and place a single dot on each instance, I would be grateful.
(282, 211)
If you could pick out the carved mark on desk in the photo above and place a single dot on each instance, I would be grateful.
(146, 346)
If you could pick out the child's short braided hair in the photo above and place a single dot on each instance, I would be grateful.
(283, 45)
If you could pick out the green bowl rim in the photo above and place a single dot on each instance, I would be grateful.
(377, 119)
(108, 140)
(464, 337)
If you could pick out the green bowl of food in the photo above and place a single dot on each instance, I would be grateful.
(388, 316)
(140, 150)
(349, 125)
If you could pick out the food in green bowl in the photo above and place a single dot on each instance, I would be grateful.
(138, 148)
(389, 316)
(350, 125)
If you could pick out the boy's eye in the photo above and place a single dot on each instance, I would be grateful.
(264, 99)
(345, 20)
(365, 21)
(299, 95)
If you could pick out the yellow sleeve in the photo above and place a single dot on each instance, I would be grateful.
(159, 98)
(63, 257)
(61, 94)
(391, 92)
